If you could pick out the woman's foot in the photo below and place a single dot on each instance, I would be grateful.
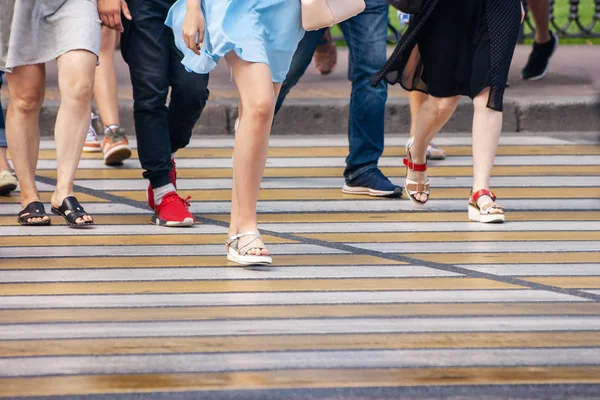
(33, 214)
(60, 206)
(435, 153)
(417, 184)
(483, 207)
(247, 248)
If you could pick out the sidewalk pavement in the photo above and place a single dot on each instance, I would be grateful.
(567, 100)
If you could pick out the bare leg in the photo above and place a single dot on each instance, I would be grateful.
(233, 229)
(432, 116)
(76, 81)
(540, 11)
(105, 87)
(415, 101)
(26, 91)
(255, 86)
(487, 126)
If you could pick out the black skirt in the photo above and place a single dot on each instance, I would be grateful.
(455, 49)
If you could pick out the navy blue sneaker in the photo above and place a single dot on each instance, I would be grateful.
(372, 183)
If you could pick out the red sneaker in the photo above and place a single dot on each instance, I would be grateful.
(172, 176)
(173, 211)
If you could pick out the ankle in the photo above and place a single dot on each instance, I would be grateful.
(160, 192)
(246, 227)
(543, 37)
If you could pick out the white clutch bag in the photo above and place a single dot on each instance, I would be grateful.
(317, 14)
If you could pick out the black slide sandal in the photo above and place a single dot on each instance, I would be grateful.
(35, 209)
(71, 210)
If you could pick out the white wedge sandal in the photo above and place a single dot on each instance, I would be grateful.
(240, 255)
(483, 214)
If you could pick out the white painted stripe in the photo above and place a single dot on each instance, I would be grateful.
(333, 183)
(364, 227)
(593, 292)
(537, 269)
(159, 251)
(480, 247)
(92, 208)
(373, 205)
(391, 139)
(101, 230)
(298, 326)
(181, 363)
(164, 274)
(284, 298)
(306, 162)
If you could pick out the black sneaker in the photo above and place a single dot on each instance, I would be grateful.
(372, 183)
(539, 59)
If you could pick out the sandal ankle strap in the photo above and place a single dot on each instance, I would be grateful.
(241, 235)
(414, 166)
(480, 193)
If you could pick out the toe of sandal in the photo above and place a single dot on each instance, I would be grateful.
(35, 209)
(71, 210)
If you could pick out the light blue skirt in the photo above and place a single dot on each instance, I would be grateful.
(260, 31)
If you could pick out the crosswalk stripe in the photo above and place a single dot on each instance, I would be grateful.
(507, 258)
(283, 172)
(250, 286)
(287, 298)
(390, 151)
(302, 326)
(190, 313)
(45, 197)
(216, 344)
(537, 269)
(186, 363)
(337, 183)
(414, 216)
(157, 251)
(219, 273)
(482, 247)
(566, 282)
(290, 379)
(391, 227)
(482, 236)
(184, 261)
(123, 240)
(336, 194)
(302, 162)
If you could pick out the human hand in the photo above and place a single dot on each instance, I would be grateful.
(193, 26)
(110, 13)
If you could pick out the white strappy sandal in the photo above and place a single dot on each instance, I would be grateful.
(240, 254)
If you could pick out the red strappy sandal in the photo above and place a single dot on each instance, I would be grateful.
(483, 214)
(412, 187)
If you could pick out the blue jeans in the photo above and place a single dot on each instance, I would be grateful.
(148, 48)
(366, 36)
(2, 127)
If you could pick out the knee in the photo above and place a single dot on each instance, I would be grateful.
(26, 101)
(260, 109)
(445, 107)
(78, 90)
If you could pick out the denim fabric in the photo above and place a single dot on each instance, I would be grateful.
(366, 36)
(148, 47)
(2, 127)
